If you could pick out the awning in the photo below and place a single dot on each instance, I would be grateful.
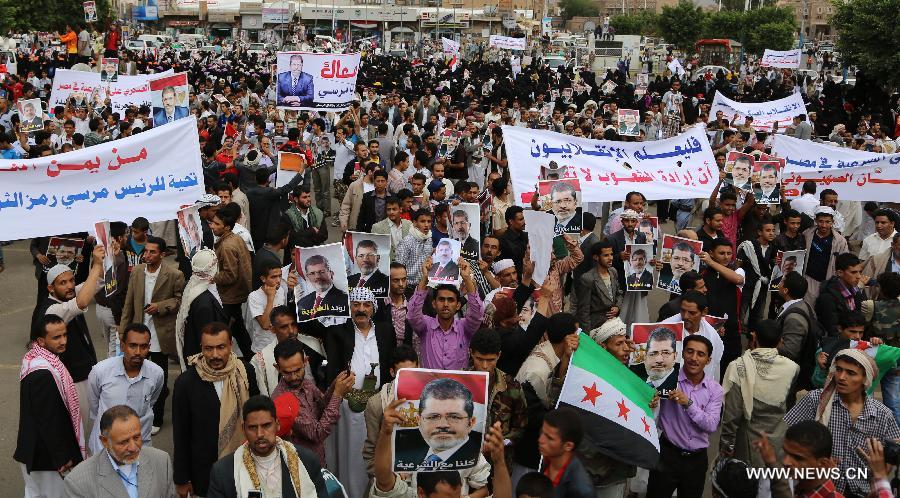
(401, 29)
(364, 24)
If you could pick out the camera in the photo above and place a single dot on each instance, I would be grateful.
(891, 453)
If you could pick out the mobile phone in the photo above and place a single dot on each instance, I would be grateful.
(254, 494)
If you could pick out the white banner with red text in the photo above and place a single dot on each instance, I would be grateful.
(152, 174)
(82, 85)
(764, 114)
(855, 175)
(681, 167)
(787, 59)
(507, 42)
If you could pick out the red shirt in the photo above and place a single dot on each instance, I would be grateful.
(112, 40)
(826, 490)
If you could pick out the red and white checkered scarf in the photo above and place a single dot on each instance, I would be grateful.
(38, 358)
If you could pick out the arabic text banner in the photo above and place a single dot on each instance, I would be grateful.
(506, 42)
(765, 114)
(788, 59)
(308, 81)
(681, 167)
(451, 47)
(125, 91)
(152, 174)
(854, 175)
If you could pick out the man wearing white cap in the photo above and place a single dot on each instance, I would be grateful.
(69, 302)
(822, 244)
(850, 414)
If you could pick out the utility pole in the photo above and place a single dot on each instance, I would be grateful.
(803, 10)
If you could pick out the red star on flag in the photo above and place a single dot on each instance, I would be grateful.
(623, 410)
(591, 394)
(646, 425)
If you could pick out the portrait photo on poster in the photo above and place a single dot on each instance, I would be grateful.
(465, 227)
(31, 115)
(325, 276)
(190, 230)
(767, 182)
(102, 234)
(790, 261)
(678, 256)
(638, 270)
(657, 355)
(738, 168)
(629, 122)
(444, 266)
(562, 198)
(109, 70)
(442, 421)
(369, 261)
(313, 81)
(649, 226)
(170, 98)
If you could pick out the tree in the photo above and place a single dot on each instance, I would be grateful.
(578, 8)
(773, 35)
(52, 16)
(724, 24)
(867, 38)
(640, 23)
(682, 24)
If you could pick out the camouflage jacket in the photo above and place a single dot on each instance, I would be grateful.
(884, 320)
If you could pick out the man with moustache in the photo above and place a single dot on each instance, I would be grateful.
(265, 463)
(659, 369)
(564, 205)
(461, 225)
(369, 276)
(326, 299)
(444, 268)
(639, 279)
(740, 172)
(126, 380)
(682, 261)
(768, 191)
(114, 469)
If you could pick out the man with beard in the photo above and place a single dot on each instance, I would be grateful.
(394, 224)
(364, 348)
(788, 265)
(740, 172)
(461, 226)
(768, 191)
(445, 439)
(823, 244)
(659, 369)
(206, 407)
(126, 380)
(318, 413)
(639, 279)
(564, 205)
(235, 275)
(682, 261)
(325, 299)
(444, 268)
(694, 307)
(266, 464)
(115, 467)
(51, 434)
(369, 276)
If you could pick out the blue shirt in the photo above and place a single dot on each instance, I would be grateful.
(10, 154)
(129, 478)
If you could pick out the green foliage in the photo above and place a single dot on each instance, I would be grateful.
(639, 23)
(8, 14)
(772, 35)
(49, 15)
(681, 25)
(869, 38)
(578, 8)
(724, 24)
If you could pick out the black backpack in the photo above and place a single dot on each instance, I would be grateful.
(807, 357)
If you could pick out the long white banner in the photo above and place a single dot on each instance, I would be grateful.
(451, 47)
(506, 42)
(788, 59)
(126, 91)
(308, 81)
(853, 174)
(764, 114)
(677, 168)
(152, 174)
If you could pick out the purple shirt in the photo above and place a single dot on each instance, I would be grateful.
(444, 349)
(689, 428)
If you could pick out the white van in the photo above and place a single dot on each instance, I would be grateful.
(8, 60)
(158, 40)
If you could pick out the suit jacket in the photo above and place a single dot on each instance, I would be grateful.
(384, 227)
(304, 88)
(96, 478)
(335, 299)
(159, 115)
(669, 384)
(378, 282)
(412, 449)
(469, 249)
(340, 342)
(574, 225)
(618, 242)
(450, 271)
(166, 296)
(586, 264)
(264, 206)
(222, 485)
(595, 300)
(45, 440)
(367, 216)
(645, 282)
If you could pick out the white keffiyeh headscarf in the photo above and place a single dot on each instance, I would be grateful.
(205, 266)
(823, 411)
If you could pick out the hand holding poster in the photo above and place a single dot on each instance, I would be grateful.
(506, 42)
(678, 255)
(629, 122)
(290, 164)
(309, 81)
(790, 261)
(677, 168)
(765, 114)
(767, 184)
(562, 198)
(83, 85)
(322, 268)
(104, 238)
(31, 115)
(170, 98)
(109, 70)
(540, 228)
(90, 11)
(444, 267)
(442, 421)
(638, 270)
(370, 261)
(657, 356)
(787, 59)
(738, 168)
(189, 230)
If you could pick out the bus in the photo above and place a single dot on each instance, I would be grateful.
(719, 52)
(608, 53)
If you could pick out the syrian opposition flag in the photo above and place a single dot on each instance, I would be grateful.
(885, 357)
(614, 405)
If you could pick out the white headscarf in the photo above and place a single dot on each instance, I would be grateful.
(823, 411)
(609, 328)
(205, 266)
